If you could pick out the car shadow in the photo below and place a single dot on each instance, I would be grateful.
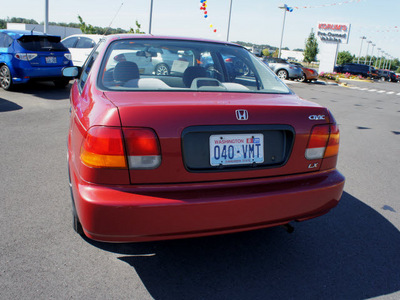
(6, 105)
(45, 90)
(350, 253)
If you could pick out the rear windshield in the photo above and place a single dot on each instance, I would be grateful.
(178, 65)
(41, 43)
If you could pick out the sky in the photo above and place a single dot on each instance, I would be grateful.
(255, 21)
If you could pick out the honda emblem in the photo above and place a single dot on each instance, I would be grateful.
(242, 115)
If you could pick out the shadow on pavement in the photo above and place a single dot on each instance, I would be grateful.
(6, 105)
(45, 90)
(350, 253)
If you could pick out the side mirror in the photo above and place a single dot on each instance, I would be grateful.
(73, 72)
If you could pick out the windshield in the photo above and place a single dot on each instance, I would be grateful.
(41, 43)
(185, 65)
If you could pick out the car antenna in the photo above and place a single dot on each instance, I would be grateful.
(109, 26)
(33, 30)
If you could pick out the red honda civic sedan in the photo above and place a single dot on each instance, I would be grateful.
(216, 144)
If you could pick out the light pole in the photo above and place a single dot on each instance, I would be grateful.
(380, 61)
(151, 15)
(289, 9)
(46, 16)
(390, 62)
(362, 39)
(366, 55)
(372, 54)
(377, 58)
(229, 22)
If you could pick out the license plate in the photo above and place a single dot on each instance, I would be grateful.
(51, 60)
(236, 149)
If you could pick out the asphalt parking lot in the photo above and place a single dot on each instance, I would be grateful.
(350, 253)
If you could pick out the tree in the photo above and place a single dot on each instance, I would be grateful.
(137, 30)
(344, 57)
(266, 52)
(86, 28)
(276, 53)
(311, 50)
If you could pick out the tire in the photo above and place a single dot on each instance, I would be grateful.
(282, 74)
(303, 78)
(161, 69)
(76, 224)
(61, 83)
(5, 78)
(383, 78)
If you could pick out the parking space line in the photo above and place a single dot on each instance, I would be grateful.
(372, 90)
(381, 91)
(390, 93)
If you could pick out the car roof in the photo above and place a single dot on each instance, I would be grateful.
(16, 34)
(161, 37)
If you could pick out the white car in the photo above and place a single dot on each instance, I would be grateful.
(80, 46)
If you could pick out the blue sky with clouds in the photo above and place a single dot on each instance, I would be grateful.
(256, 21)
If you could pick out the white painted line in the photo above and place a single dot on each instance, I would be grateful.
(363, 89)
(373, 90)
(390, 93)
(381, 91)
(398, 94)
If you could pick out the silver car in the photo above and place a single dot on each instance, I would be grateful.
(283, 69)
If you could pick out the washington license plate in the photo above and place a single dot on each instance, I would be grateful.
(51, 60)
(236, 149)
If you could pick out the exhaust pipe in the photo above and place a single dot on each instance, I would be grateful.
(289, 228)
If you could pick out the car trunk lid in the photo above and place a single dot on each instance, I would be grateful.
(189, 124)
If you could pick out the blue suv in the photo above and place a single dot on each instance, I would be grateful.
(30, 55)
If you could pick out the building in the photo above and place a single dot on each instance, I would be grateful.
(53, 30)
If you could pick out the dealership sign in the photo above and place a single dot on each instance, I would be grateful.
(333, 32)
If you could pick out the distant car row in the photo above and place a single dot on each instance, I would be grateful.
(366, 71)
(286, 70)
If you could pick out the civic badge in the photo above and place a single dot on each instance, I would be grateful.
(242, 115)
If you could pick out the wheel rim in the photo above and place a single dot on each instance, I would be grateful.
(282, 74)
(162, 70)
(5, 77)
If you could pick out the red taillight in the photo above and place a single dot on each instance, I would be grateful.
(103, 148)
(323, 142)
(143, 149)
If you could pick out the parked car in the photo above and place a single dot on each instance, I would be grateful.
(383, 75)
(283, 68)
(30, 55)
(357, 69)
(153, 60)
(80, 46)
(193, 153)
(308, 73)
(393, 77)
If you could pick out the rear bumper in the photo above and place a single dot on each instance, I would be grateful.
(143, 213)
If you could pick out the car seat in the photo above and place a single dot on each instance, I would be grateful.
(126, 71)
(192, 73)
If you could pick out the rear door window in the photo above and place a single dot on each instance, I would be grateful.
(5, 40)
(70, 42)
(85, 43)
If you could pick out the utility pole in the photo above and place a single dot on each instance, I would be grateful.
(359, 55)
(372, 54)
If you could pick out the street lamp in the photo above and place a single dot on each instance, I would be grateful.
(46, 16)
(391, 57)
(151, 15)
(229, 22)
(377, 58)
(372, 54)
(366, 55)
(289, 9)
(380, 61)
(362, 39)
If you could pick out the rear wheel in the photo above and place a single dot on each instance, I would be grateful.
(162, 69)
(303, 78)
(76, 224)
(61, 83)
(383, 78)
(5, 78)
(283, 74)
